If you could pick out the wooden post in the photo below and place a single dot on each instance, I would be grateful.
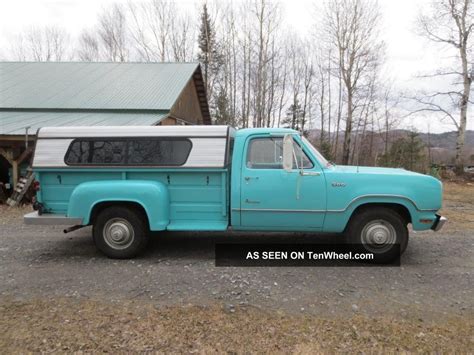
(15, 163)
(15, 172)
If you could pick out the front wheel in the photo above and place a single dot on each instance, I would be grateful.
(380, 231)
(120, 232)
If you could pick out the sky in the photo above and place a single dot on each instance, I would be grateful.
(407, 54)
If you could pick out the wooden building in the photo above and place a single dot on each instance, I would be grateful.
(35, 95)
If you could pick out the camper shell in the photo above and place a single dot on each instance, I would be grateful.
(189, 177)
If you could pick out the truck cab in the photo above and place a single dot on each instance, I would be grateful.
(127, 181)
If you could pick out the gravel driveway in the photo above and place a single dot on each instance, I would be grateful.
(435, 279)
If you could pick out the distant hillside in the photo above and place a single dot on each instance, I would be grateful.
(447, 140)
(443, 145)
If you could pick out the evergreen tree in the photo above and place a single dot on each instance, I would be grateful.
(406, 152)
(294, 116)
(209, 55)
(325, 149)
(222, 114)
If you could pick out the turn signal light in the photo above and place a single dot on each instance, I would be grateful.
(426, 221)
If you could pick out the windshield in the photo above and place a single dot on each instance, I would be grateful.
(316, 153)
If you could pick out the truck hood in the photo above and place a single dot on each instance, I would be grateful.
(372, 170)
(349, 182)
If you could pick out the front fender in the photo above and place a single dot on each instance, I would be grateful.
(336, 220)
(153, 196)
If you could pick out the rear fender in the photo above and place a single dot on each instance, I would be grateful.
(153, 196)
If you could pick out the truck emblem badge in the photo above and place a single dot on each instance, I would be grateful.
(338, 184)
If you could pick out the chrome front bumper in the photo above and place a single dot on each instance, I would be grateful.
(49, 219)
(439, 223)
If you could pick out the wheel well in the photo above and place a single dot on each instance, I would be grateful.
(103, 205)
(400, 209)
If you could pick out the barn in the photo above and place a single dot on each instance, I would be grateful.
(35, 95)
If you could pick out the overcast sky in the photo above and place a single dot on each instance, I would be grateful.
(407, 53)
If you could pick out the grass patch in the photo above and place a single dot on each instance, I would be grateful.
(458, 205)
(75, 325)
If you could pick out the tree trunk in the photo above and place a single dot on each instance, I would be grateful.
(339, 114)
(347, 134)
(463, 114)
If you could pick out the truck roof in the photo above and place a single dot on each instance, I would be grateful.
(249, 131)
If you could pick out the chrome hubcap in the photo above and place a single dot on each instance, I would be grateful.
(378, 235)
(118, 233)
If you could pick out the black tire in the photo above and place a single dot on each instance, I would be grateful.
(380, 222)
(120, 232)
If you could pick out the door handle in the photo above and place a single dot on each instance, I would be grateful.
(251, 201)
(309, 173)
(247, 178)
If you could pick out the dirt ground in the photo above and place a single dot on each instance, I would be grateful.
(57, 293)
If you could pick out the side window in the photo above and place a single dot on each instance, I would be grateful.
(267, 153)
(143, 151)
(171, 152)
(89, 152)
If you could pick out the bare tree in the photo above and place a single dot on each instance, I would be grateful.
(296, 63)
(451, 22)
(282, 80)
(245, 46)
(228, 82)
(182, 38)
(389, 119)
(266, 15)
(112, 30)
(42, 44)
(352, 28)
(323, 94)
(88, 49)
(158, 31)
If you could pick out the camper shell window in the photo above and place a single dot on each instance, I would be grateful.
(156, 151)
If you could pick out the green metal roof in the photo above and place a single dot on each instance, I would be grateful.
(15, 122)
(82, 86)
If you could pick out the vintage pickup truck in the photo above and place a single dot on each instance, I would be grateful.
(127, 181)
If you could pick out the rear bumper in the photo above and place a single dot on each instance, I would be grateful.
(49, 219)
(439, 223)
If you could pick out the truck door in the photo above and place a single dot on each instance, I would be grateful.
(274, 199)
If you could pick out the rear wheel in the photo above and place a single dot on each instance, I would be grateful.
(380, 231)
(120, 232)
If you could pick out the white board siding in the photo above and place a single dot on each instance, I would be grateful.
(205, 152)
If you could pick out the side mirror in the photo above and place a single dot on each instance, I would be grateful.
(288, 152)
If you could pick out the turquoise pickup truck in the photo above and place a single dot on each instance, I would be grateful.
(127, 181)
